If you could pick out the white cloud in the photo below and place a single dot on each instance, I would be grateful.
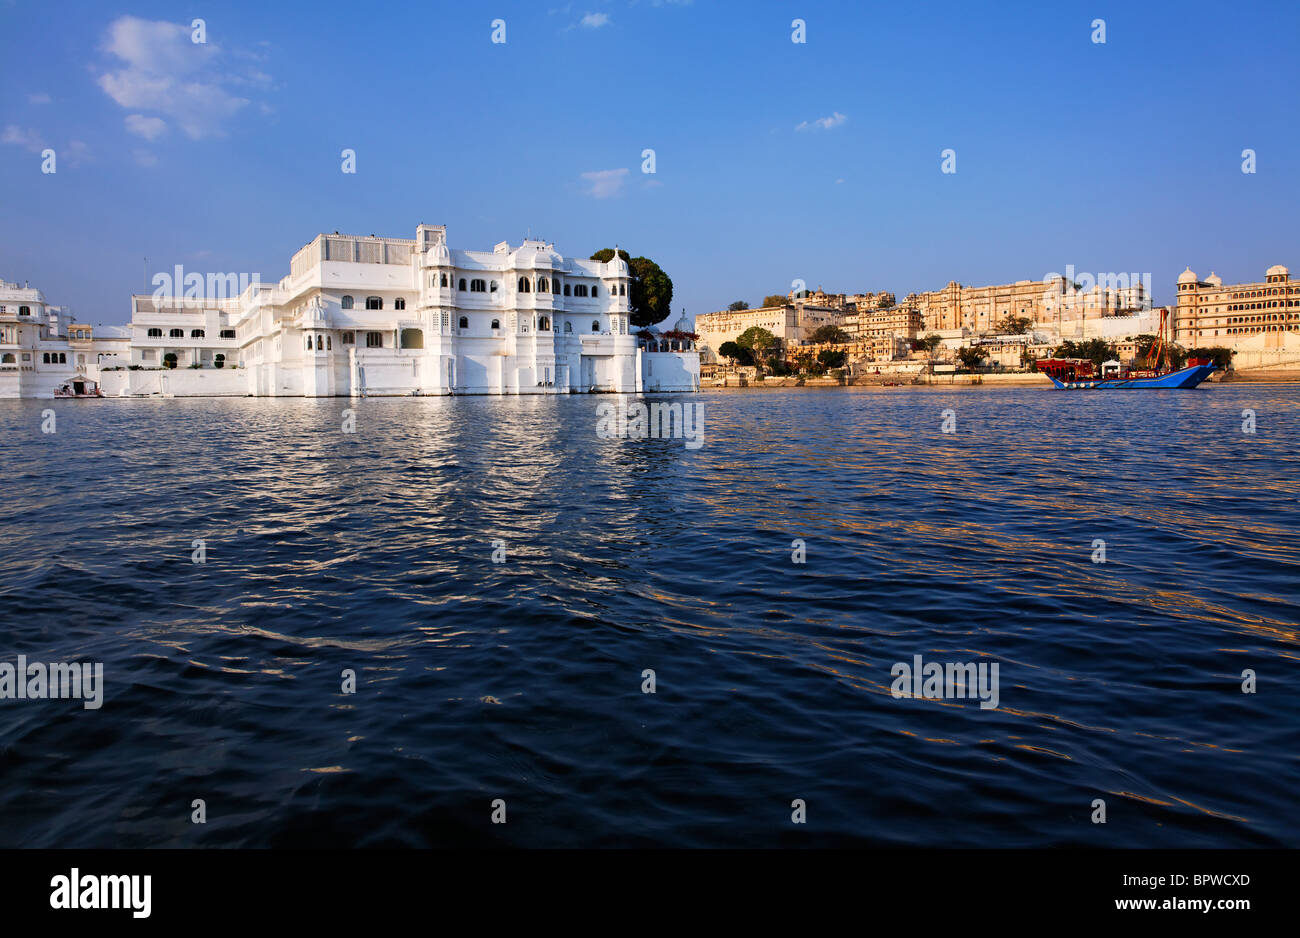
(148, 127)
(144, 158)
(23, 137)
(605, 183)
(595, 20)
(30, 139)
(75, 152)
(41, 98)
(823, 123)
(162, 70)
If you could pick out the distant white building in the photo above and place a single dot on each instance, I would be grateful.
(42, 347)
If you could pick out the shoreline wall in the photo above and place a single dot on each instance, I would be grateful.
(183, 382)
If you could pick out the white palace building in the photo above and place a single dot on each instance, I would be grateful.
(361, 316)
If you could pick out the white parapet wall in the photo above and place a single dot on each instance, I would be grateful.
(182, 382)
(1145, 322)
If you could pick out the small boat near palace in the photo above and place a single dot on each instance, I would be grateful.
(79, 387)
(1070, 374)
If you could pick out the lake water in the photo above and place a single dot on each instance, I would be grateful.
(522, 680)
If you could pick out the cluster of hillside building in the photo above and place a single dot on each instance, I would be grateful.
(1259, 321)
(361, 316)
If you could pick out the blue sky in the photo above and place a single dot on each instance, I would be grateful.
(774, 160)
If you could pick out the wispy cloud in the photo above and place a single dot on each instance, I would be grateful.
(605, 183)
(162, 70)
(148, 127)
(594, 20)
(75, 152)
(823, 123)
(25, 137)
(33, 140)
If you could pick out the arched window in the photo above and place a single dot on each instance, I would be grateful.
(309, 343)
(443, 281)
(622, 289)
(347, 302)
(399, 303)
(412, 338)
(568, 327)
(492, 287)
(227, 333)
(595, 290)
(496, 324)
(63, 358)
(464, 322)
(555, 286)
(544, 324)
(329, 343)
(197, 333)
(374, 302)
(566, 289)
(8, 359)
(462, 283)
(178, 333)
(24, 311)
(46, 359)
(580, 290)
(155, 333)
(542, 286)
(595, 325)
(477, 286)
(523, 285)
(348, 338)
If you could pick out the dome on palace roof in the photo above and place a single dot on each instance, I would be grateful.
(681, 325)
(1277, 270)
(540, 258)
(1214, 280)
(1187, 276)
(617, 265)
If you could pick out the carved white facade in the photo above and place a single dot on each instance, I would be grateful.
(372, 316)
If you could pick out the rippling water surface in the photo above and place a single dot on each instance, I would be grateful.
(522, 680)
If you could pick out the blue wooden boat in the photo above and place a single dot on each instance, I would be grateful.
(1188, 377)
(1070, 374)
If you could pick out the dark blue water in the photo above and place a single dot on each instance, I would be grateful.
(522, 680)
